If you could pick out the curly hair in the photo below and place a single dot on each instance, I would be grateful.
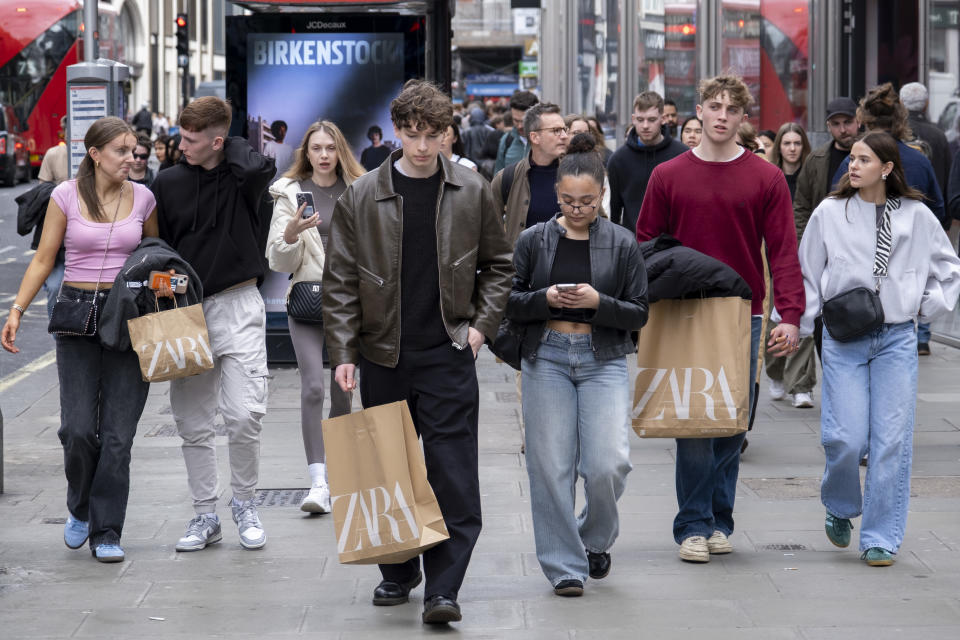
(734, 85)
(422, 105)
(881, 109)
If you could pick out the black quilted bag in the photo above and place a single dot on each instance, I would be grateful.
(306, 302)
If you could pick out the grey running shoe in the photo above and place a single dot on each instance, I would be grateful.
(252, 535)
(201, 531)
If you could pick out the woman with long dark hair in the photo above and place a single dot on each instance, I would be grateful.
(580, 290)
(796, 374)
(873, 232)
(323, 165)
(100, 218)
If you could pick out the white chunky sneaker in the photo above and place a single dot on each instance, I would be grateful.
(777, 392)
(718, 544)
(252, 535)
(317, 500)
(694, 549)
(802, 401)
(201, 531)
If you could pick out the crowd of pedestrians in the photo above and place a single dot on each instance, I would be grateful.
(419, 253)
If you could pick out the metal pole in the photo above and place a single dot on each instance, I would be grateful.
(91, 35)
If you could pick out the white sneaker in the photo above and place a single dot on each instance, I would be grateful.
(802, 401)
(777, 392)
(718, 544)
(201, 531)
(694, 549)
(252, 535)
(317, 500)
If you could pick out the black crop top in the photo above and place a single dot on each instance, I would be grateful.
(571, 266)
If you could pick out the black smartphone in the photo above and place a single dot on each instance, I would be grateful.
(305, 196)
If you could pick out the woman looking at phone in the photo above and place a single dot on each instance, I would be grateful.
(579, 291)
(100, 218)
(874, 232)
(323, 165)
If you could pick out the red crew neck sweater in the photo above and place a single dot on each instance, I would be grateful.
(726, 210)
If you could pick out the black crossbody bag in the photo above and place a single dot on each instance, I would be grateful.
(305, 303)
(857, 312)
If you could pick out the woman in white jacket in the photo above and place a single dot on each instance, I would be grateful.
(323, 165)
(870, 382)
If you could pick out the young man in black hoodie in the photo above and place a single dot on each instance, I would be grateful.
(207, 206)
(630, 166)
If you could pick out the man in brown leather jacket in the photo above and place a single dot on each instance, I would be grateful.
(418, 271)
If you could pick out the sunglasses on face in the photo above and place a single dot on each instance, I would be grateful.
(141, 156)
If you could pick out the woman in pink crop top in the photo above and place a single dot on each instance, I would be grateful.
(100, 218)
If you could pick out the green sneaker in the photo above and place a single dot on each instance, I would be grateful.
(877, 557)
(838, 530)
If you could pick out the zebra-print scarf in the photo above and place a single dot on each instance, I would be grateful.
(884, 240)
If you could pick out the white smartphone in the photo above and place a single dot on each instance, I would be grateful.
(566, 287)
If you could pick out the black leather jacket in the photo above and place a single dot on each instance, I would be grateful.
(617, 273)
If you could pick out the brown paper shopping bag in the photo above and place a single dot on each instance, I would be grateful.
(171, 344)
(693, 359)
(384, 510)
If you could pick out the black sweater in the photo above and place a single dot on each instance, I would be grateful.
(211, 217)
(629, 170)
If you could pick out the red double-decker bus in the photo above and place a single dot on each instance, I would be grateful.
(39, 39)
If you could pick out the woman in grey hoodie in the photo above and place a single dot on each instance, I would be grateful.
(875, 232)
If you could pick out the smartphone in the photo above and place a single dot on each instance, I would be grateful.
(305, 196)
(566, 287)
(176, 281)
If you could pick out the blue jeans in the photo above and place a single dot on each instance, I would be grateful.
(707, 471)
(52, 284)
(102, 396)
(923, 332)
(576, 410)
(869, 401)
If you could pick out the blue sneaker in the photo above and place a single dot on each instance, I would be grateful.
(75, 532)
(108, 553)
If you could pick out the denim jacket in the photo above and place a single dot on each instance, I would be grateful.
(617, 273)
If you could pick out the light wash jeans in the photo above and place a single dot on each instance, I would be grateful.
(707, 470)
(923, 332)
(869, 401)
(575, 409)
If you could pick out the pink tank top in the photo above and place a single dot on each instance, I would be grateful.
(85, 241)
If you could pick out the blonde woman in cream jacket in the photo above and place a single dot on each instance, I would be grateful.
(870, 382)
(323, 165)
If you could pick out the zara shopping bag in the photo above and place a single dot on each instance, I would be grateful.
(171, 344)
(693, 358)
(384, 510)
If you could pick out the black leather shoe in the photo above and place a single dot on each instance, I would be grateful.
(389, 593)
(569, 588)
(599, 564)
(440, 610)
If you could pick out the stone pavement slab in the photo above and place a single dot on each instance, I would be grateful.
(784, 581)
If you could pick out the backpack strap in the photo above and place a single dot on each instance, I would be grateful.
(506, 183)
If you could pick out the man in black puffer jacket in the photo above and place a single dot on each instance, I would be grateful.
(630, 166)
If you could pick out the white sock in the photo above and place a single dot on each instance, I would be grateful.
(318, 473)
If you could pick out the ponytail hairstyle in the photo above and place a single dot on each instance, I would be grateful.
(885, 146)
(99, 135)
(881, 109)
(582, 159)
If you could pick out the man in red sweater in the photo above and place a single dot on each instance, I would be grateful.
(724, 201)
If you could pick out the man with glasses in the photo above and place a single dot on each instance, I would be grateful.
(630, 166)
(139, 171)
(524, 191)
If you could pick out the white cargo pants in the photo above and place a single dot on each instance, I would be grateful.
(237, 385)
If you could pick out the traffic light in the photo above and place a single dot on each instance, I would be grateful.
(183, 41)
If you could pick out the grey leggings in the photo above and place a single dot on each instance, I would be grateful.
(308, 345)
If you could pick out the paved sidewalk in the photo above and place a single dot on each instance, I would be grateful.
(785, 579)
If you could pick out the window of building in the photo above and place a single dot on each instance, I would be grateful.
(598, 60)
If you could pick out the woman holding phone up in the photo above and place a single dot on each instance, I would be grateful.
(99, 217)
(875, 234)
(323, 165)
(579, 291)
